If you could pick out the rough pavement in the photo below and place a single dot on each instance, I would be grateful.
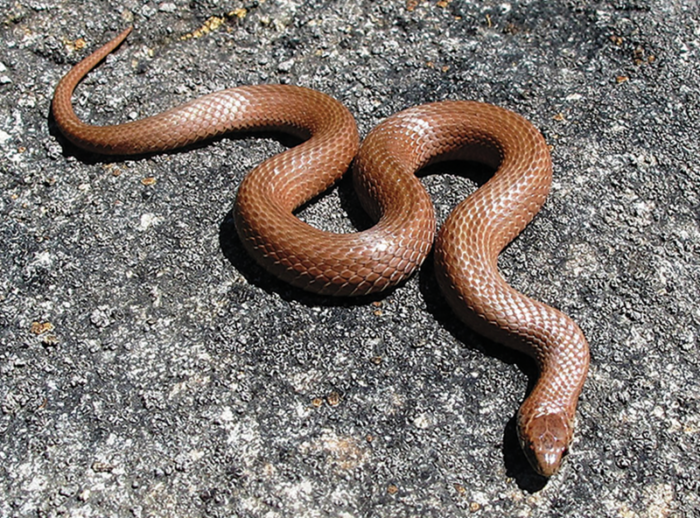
(149, 368)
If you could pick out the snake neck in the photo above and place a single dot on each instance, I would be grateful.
(546, 418)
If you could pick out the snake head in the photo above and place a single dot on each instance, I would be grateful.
(545, 439)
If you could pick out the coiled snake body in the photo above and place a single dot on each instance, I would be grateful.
(467, 246)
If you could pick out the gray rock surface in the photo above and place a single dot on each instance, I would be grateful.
(149, 368)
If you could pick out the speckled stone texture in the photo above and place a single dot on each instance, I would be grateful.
(148, 367)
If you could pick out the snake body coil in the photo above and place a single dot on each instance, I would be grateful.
(467, 246)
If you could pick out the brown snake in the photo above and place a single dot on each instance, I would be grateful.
(467, 246)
